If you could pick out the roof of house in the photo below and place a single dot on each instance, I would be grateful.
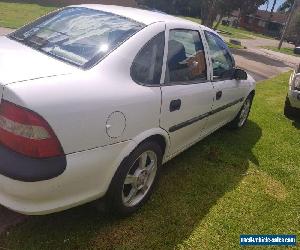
(235, 13)
(277, 17)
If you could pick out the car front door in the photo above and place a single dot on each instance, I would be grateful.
(229, 93)
(187, 93)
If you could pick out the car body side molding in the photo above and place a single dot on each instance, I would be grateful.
(203, 116)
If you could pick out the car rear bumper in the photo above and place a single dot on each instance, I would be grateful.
(86, 177)
(19, 167)
(294, 98)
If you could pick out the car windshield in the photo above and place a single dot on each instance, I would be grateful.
(77, 35)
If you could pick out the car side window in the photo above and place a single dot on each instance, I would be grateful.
(147, 65)
(223, 62)
(186, 58)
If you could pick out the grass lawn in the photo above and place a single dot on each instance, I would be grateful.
(232, 183)
(14, 15)
(231, 32)
(240, 33)
(234, 46)
(288, 51)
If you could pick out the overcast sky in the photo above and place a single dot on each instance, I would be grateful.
(279, 2)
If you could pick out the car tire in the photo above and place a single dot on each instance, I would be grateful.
(289, 111)
(135, 180)
(241, 119)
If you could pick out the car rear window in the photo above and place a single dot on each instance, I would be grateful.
(77, 35)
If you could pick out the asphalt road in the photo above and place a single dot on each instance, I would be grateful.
(260, 65)
(263, 63)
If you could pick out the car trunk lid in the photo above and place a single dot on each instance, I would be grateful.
(21, 63)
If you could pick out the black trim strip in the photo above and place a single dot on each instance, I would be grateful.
(201, 117)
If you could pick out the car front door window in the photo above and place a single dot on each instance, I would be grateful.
(186, 59)
(222, 61)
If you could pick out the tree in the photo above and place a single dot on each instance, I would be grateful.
(292, 26)
(212, 8)
(208, 10)
(251, 6)
(286, 6)
(268, 3)
(164, 5)
(272, 10)
(225, 9)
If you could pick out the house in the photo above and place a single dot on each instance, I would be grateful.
(261, 22)
(293, 34)
(231, 20)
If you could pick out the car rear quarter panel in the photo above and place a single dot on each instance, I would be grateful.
(78, 105)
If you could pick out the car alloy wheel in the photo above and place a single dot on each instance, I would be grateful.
(244, 113)
(139, 179)
(135, 179)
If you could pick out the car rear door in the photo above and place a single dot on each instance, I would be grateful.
(187, 93)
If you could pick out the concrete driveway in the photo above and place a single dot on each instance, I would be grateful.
(264, 63)
(4, 31)
(261, 65)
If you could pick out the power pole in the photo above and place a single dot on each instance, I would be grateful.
(286, 28)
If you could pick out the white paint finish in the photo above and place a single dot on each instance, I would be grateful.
(77, 104)
(292, 93)
(21, 63)
(89, 97)
(143, 16)
(232, 90)
(196, 100)
(85, 179)
(294, 100)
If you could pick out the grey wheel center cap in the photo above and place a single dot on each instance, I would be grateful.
(142, 178)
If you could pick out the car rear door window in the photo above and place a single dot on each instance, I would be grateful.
(147, 66)
(186, 58)
(222, 61)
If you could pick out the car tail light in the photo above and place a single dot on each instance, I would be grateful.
(26, 132)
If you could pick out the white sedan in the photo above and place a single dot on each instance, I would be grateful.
(292, 102)
(96, 98)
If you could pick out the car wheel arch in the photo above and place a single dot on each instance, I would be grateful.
(158, 135)
(252, 93)
(159, 139)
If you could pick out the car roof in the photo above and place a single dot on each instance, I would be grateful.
(146, 17)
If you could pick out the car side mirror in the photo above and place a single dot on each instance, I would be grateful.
(240, 74)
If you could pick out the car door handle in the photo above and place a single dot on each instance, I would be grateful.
(219, 95)
(175, 105)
